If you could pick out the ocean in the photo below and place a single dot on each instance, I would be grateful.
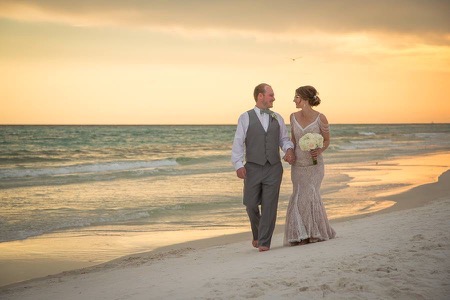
(55, 179)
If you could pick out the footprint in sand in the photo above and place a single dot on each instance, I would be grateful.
(417, 238)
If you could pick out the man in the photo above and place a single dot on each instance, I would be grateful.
(260, 133)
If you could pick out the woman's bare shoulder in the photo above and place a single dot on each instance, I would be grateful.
(323, 118)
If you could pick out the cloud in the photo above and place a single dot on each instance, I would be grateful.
(263, 19)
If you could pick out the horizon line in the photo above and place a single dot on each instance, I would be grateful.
(231, 124)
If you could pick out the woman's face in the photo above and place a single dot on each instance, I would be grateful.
(297, 100)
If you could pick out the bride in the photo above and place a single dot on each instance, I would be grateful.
(306, 218)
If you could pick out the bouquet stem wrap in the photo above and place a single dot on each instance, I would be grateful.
(311, 141)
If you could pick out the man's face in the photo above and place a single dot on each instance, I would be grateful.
(267, 98)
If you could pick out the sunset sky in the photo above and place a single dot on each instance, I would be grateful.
(197, 62)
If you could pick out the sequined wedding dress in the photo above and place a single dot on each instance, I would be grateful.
(306, 216)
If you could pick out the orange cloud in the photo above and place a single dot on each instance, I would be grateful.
(427, 20)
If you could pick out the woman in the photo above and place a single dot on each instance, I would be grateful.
(306, 218)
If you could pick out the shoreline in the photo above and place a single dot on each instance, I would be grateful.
(362, 262)
(402, 202)
(29, 259)
(361, 178)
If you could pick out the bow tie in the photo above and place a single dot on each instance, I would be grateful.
(266, 111)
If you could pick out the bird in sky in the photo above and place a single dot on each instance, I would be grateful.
(293, 59)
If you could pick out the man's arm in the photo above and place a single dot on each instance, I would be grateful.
(238, 149)
(285, 142)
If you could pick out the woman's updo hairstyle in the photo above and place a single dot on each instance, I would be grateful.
(309, 93)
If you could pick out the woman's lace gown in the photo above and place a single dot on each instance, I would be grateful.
(306, 216)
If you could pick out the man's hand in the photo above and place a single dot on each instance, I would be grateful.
(241, 173)
(290, 156)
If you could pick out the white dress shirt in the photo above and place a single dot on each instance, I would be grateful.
(238, 149)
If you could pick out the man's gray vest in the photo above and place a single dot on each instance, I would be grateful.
(262, 146)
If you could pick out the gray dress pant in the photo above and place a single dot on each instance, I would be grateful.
(262, 188)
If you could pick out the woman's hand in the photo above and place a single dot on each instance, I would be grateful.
(290, 156)
(316, 152)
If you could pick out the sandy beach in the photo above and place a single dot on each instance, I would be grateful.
(124, 124)
(399, 253)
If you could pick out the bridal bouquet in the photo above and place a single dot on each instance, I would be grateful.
(311, 141)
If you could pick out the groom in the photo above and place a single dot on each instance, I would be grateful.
(259, 135)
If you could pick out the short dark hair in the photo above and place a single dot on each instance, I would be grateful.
(260, 88)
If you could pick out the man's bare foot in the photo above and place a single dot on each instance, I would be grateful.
(263, 248)
(255, 243)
